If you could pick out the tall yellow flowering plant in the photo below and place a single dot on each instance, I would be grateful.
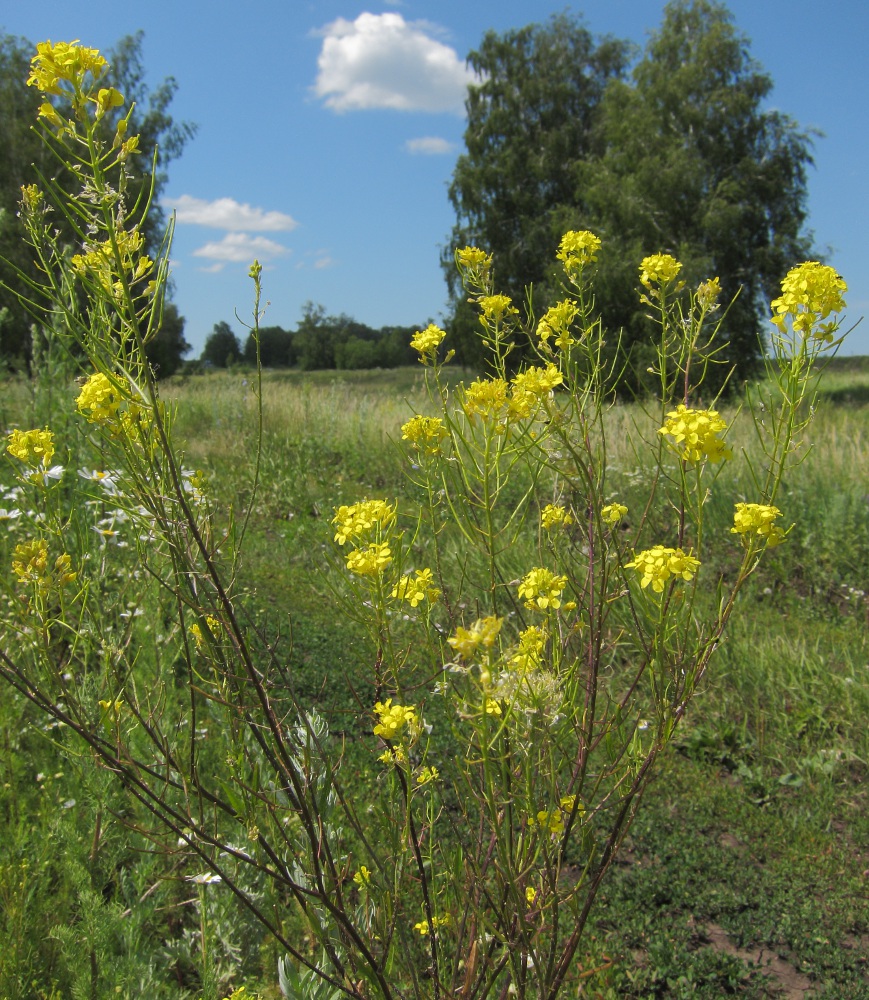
(535, 640)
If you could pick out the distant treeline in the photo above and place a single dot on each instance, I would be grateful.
(318, 342)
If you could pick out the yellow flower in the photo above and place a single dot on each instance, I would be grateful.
(483, 632)
(423, 928)
(578, 248)
(488, 397)
(553, 516)
(49, 113)
(530, 649)
(111, 707)
(425, 433)
(538, 381)
(659, 269)
(556, 322)
(426, 775)
(32, 198)
(658, 564)
(30, 565)
(492, 707)
(63, 572)
(530, 895)
(363, 877)
(476, 262)
(551, 820)
(104, 262)
(414, 590)
(757, 519)
(100, 399)
(361, 520)
(613, 513)
(530, 387)
(707, 294)
(31, 447)
(369, 561)
(64, 62)
(496, 308)
(107, 98)
(542, 589)
(810, 292)
(30, 560)
(393, 719)
(394, 755)
(427, 342)
(694, 433)
(214, 627)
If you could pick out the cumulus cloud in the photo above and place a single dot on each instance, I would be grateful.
(226, 213)
(429, 145)
(383, 61)
(240, 248)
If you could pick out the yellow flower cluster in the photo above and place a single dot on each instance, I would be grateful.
(552, 820)
(757, 519)
(496, 308)
(371, 560)
(659, 269)
(425, 433)
(556, 322)
(30, 565)
(30, 560)
(64, 62)
(423, 928)
(427, 342)
(707, 294)
(427, 775)
(578, 248)
(475, 263)
(100, 399)
(530, 387)
(529, 651)
(214, 627)
(363, 877)
(553, 516)
(613, 513)
(486, 397)
(495, 398)
(657, 564)
(31, 447)
(695, 434)
(810, 292)
(362, 520)
(393, 719)
(542, 589)
(483, 632)
(32, 199)
(104, 263)
(416, 588)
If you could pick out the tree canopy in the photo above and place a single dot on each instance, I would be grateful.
(24, 157)
(679, 155)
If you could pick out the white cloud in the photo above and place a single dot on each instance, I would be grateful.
(429, 145)
(322, 262)
(383, 61)
(240, 248)
(226, 213)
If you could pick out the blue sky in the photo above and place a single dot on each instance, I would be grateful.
(328, 131)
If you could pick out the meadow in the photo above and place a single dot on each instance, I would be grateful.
(745, 872)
